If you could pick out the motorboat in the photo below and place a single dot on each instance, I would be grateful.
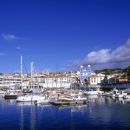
(12, 94)
(126, 96)
(107, 94)
(2, 92)
(30, 98)
(93, 92)
(120, 94)
(69, 100)
(80, 99)
(42, 102)
(76, 94)
(114, 92)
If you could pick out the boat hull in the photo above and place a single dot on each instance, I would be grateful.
(10, 96)
(30, 98)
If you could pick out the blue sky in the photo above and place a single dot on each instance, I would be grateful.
(58, 33)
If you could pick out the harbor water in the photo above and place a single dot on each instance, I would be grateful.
(101, 113)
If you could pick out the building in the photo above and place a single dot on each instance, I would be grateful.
(96, 79)
(53, 80)
(10, 80)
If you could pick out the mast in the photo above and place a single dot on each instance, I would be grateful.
(21, 73)
(32, 69)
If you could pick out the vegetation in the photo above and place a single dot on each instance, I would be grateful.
(110, 71)
(86, 82)
(125, 71)
(128, 73)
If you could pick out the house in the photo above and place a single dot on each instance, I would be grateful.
(96, 79)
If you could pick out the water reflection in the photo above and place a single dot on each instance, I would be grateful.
(33, 118)
(22, 104)
(100, 113)
(30, 110)
(121, 100)
(21, 119)
(73, 108)
(31, 113)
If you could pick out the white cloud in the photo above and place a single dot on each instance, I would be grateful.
(8, 37)
(2, 54)
(108, 58)
(101, 56)
(18, 48)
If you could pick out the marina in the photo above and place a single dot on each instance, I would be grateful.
(100, 113)
(63, 108)
(52, 101)
(64, 64)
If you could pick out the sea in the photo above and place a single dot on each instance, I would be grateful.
(100, 113)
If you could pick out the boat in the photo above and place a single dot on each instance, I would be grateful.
(80, 100)
(30, 98)
(126, 96)
(2, 92)
(42, 102)
(93, 92)
(69, 100)
(107, 94)
(73, 94)
(114, 92)
(30, 95)
(120, 94)
(10, 95)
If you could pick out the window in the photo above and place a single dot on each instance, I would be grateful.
(94, 79)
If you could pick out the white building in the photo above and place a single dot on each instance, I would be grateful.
(9, 80)
(54, 80)
(96, 79)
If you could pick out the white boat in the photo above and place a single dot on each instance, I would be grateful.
(80, 98)
(107, 94)
(93, 92)
(76, 94)
(120, 94)
(114, 92)
(126, 96)
(11, 94)
(2, 92)
(30, 98)
(69, 99)
(42, 102)
(73, 99)
(91, 97)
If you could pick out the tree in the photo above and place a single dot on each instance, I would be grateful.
(86, 82)
(128, 73)
(105, 80)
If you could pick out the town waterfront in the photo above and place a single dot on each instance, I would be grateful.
(101, 113)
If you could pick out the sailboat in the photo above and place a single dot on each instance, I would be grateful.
(31, 97)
